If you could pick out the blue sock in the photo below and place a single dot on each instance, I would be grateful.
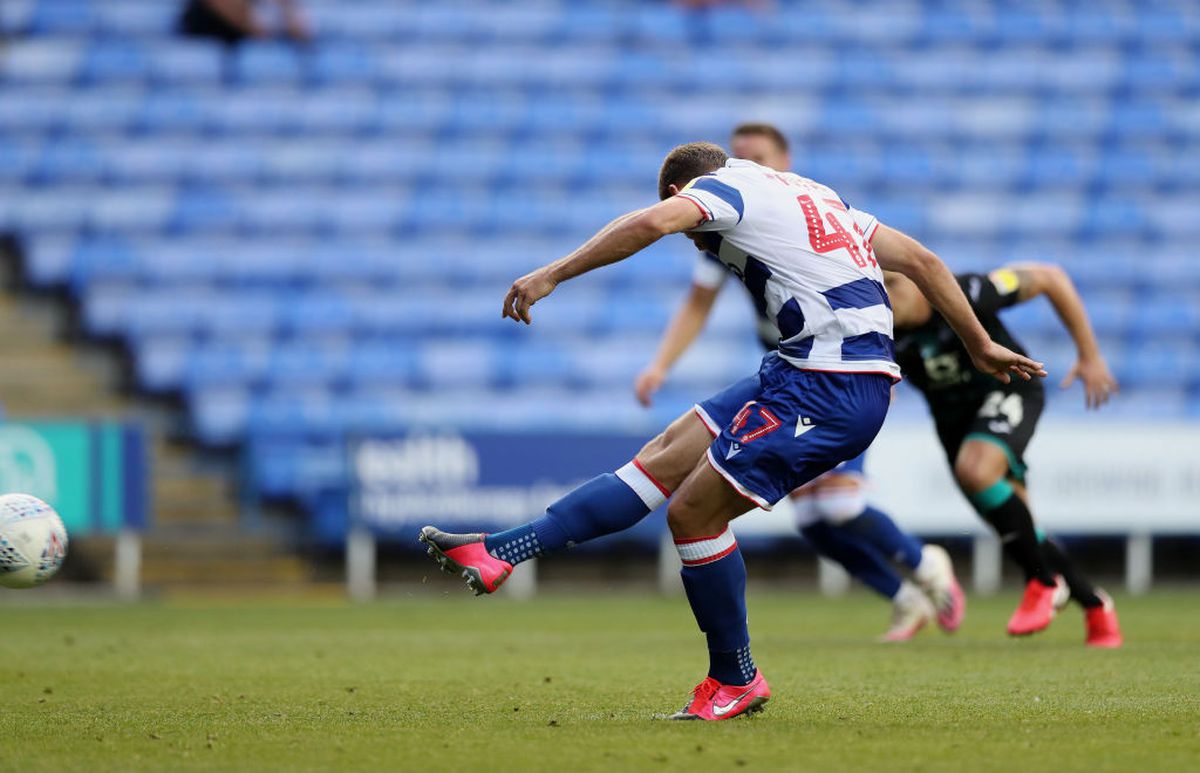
(604, 505)
(859, 557)
(714, 577)
(878, 528)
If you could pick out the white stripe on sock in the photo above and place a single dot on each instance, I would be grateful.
(646, 489)
(705, 550)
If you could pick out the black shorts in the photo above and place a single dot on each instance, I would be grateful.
(1005, 417)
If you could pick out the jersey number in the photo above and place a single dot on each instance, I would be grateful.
(1009, 407)
(770, 423)
(823, 241)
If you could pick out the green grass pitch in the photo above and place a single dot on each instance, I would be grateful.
(450, 682)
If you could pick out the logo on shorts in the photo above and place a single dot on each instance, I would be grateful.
(734, 450)
(803, 424)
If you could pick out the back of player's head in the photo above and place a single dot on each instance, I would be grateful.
(767, 130)
(687, 162)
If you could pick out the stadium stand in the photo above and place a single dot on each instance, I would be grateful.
(304, 242)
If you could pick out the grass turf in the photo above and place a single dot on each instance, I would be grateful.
(456, 683)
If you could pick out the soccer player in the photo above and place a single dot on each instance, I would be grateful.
(984, 425)
(832, 512)
(814, 263)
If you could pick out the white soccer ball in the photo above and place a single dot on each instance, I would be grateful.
(33, 541)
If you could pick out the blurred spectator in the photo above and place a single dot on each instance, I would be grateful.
(232, 21)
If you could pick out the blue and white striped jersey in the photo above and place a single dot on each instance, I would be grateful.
(806, 258)
(710, 272)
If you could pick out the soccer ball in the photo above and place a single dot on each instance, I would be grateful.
(33, 541)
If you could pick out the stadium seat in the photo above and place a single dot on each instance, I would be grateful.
(135, 18)
(42, 61)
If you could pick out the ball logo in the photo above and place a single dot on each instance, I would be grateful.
(27, 463)
(427, 461)
(55, 550)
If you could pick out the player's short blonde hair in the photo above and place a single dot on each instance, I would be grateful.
(687, 162)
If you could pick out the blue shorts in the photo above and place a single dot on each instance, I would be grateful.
(782, 428)
(852, 466)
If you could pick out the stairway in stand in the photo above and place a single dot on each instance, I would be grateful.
(195, 543)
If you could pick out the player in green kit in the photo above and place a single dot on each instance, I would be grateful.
(984, 426)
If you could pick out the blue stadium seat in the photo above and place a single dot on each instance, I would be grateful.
(160, 362)
(225, 163)
(54, 210)
(1096, 23)
(325, 362)
(242, 364)
(268, 62)
(63, 18)
(17, 16)
(312, 313)
(186, 62)
(454, 363)
(182, 111)
(72, 161)
(1140, 119)
(219, 416)
(1170, 363)
(49, 259)
(1074, 118)
(1173, 314)
(590, 23)
(146, 162)
(382, 362)
(1169, 70)
(1110, 313)
(363, 20)
(344, 63)
(33, 110)
(19, 159)
(42, 61)
(202, 210)
(1117, 215)
(136, 18)
(1062, 166)
(1165, 24)
(256, 111)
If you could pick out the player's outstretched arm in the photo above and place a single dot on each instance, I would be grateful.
(898, 252)
(1090, 368)
(621, 238)
(681, 332)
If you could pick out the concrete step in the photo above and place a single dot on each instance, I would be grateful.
(223, 572)
(203, 555)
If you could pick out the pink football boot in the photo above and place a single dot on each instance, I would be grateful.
(464, 555)
(713, 701)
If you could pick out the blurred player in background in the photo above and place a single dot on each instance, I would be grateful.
(832, 512)
(232, 21)
(820, 399)
(985, 426)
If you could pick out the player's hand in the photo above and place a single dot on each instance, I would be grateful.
(647, 383)
(1098, 381)
(1000, 362)
(525, 292)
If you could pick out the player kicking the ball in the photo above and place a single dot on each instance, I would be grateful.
(984, 425)
(814, 264)
(832, 511)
